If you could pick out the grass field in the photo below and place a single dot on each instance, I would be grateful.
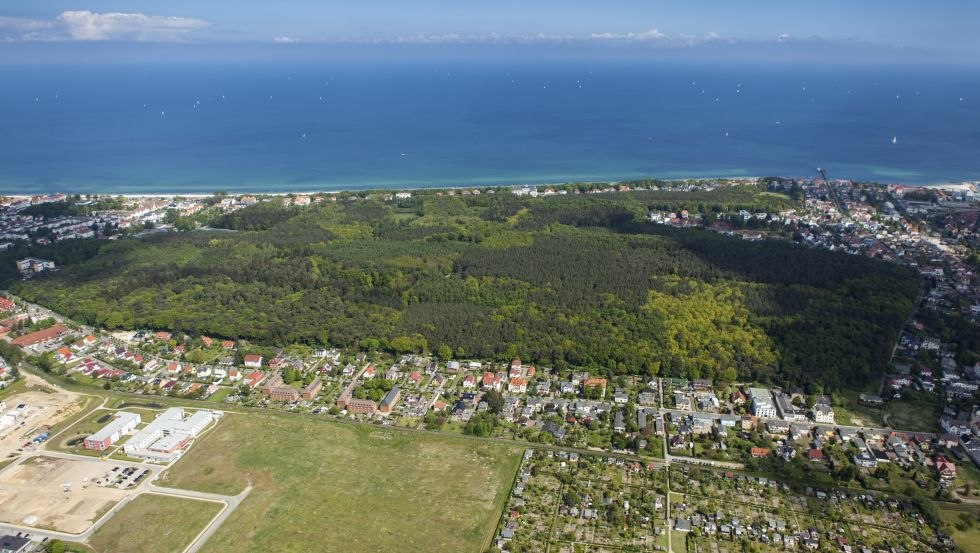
(18, 386)
(918, 412)
(220, 395)
(154, 523)
(965, 535)
(88, 424)
(852, 412)
(323, 486)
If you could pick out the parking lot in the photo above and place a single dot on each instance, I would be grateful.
(64, 494)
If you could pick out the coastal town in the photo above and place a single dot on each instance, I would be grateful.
(675, 461)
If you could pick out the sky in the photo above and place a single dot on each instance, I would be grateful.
(937, 30)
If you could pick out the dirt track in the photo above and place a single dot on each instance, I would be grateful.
(44, 408)
(37, 488)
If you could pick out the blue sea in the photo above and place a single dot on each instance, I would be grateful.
(196, 127)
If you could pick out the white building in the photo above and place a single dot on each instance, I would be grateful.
(823, 413)
(123, 423)
(163, 439)
(34, 265)
(762, 405)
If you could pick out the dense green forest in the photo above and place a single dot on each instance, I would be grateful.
(74, 205)
(562, 281)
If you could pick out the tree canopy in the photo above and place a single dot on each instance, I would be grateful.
(566, 281)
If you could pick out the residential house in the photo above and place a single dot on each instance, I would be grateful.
(823, 413)
(254, 379)
(596, 383)
(683, 402)
(491, 381)
(619, 423)
(737, 397)
(865, 460)
(945, 467)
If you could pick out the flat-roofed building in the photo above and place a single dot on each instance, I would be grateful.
(762, 405)
(124, 422)
(786, 409)
(14, 544)
(164, 438)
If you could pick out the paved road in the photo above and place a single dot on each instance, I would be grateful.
(230, 502)
(885, 431)
(435, 397)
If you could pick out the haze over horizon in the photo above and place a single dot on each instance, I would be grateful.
(133, 96)
(835, 31)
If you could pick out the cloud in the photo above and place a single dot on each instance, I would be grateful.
(21, 24)
(285, 39)
(651, 36)
(85, 25)
(456, 38)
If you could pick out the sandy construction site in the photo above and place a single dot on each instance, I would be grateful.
(41, 409)
(56, 493)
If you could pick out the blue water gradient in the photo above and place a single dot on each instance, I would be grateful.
(188, 128)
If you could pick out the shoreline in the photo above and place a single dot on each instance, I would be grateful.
(960, 185)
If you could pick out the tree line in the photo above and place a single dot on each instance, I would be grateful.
(571, 281)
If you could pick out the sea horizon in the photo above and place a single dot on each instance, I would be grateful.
(437, 187)
(193, 128)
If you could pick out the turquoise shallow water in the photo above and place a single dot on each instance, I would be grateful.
(198, 128)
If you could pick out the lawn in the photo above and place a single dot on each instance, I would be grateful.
(852, 412)
(154, 523)
(966, 535)
(18, 385)
(326, 486)
(72, 440)
(917, 412)
(220, 395)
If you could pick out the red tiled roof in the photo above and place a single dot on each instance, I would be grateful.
(40, 336)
